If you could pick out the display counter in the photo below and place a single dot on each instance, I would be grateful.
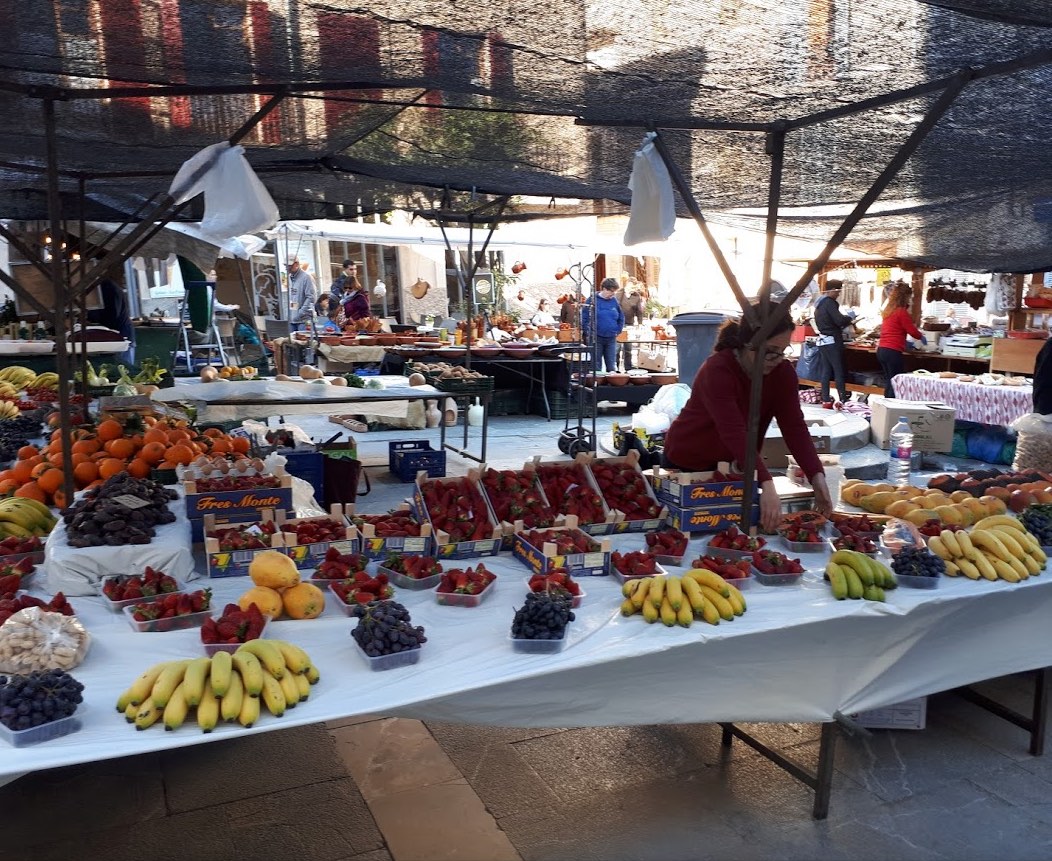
(862, 359)
(973, 402)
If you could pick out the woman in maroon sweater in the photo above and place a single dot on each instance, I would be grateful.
(893, 331)
(711, 426)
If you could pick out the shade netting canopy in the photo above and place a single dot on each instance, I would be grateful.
(426, 105)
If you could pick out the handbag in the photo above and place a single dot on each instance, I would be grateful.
(807, 366)
(343, 473)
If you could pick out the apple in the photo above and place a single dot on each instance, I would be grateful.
(1020, 500)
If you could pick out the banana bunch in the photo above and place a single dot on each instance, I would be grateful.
(998, 548)
(47, 380)
(856, 575)
(7, 390)
(18, 376)
(9, 411)
(24, 518)
(679, 600)
(225, 686)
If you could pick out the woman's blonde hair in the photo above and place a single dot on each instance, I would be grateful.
(899, 297)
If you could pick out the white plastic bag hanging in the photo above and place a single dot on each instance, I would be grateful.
(236, 202)
(653, 217)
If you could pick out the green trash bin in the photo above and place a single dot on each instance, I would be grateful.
(160, 343)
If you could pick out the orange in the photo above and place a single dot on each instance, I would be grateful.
(54, 420)
(85, 473)
(121, 448)
(155, 435)
(240, 444)
(79, 458)
(153, 452)
(110, 466)
(8, 486)
(181, 454)
(58, 499)
(110, 429)
(167, 464)
(139, 468)
(27, 451)
(55, 459)
(31, 490)
(51, 480)
(86, 446)
(8, 475)
(22, 471)
(178, 436)
(221, 446)
(213, 432)
(40, 469)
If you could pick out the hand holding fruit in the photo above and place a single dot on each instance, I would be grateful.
(770, 507)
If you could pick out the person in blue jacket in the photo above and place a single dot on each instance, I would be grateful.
(609, 321)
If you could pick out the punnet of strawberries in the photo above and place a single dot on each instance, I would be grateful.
(149, 584)
(570, 492)
(244, 536)
(394, 524)
(21, 568)
(936, 526)
(856, 542)
(803, 534)
(234, 625)
(666, 542)
(466, 581)
(339, 566)
(624, 488)
(732, 538)
(557, 582)
(516, 495)
(728, 569)
(361, 588)
(773, 562)
(13, 545)
(11, 602)
(854, 522)
(565, 540)
(316, 530)
(415, 567)
(638, 563)
(226, 482)
(173, 605)
(456, 507)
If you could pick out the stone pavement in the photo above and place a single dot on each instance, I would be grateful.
(385, 789)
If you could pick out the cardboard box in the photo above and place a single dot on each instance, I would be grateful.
(235, 563)
(931, 422)
(310, 556)
(238, 503)
(379, 546)
(542, 559)
(443, 547)
(713, 519)
(651, 360)
(912, 714)
(697, 489)
(603, 527)
(621, 525)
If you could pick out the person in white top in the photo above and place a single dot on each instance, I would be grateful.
(543, 317)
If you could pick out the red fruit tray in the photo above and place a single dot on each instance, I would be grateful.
(459, 599)
(575, 603)
(624, 578)
(212, 648)
(117, 606)
(403, 581)
(174, 623)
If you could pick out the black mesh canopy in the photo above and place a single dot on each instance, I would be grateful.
(433, 104)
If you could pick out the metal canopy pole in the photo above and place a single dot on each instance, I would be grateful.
(62, 298)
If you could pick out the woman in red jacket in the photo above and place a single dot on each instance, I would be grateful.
(711, 426)
(893, 331)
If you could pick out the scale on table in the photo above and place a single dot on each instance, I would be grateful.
(964, 345)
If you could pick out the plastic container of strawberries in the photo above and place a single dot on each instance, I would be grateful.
(45, 732)
(575, 603)
(805, 546)
(776, 579)
(873, 554)
(729, 553)
(404, 581)
(212, 648)
(392, 661)
(742, 583)
(537, 647)
(172, 623)
(460, 599)
(624, 578)
(117, 606)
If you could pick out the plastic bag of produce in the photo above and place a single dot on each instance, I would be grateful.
(669, 400)
(34, 639)
(1033, 449)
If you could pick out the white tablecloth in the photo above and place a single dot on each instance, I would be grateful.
(79, 570)
(974, 402)
(796, 655)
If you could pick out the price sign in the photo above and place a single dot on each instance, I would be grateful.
(129, 501)
(883, 275)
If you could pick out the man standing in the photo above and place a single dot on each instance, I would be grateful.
(632, 303)
(343, 282)
(609, 321)
(302, 293)
(830, 323)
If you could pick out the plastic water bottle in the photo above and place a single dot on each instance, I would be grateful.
(901, 444)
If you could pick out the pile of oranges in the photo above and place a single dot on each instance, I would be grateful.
(107, 449)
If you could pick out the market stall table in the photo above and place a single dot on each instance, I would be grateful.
(796, 655)
(973, 402)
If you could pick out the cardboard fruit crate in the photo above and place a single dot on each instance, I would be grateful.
(540, 560)
(235, 563)
(629, 461)
(309, 556)
(378, 546)
(444, 547)
(510, 527)
(237, 503)
(601, 527)
(697, 489)
(712, 519)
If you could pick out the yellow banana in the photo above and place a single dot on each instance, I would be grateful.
(167, 682)
(230, 704)
(141, 687)
(627, 607)
(130, 712)
(1033, 567)
(1005, 536)
(986, 540)
(1019, 568)
(194, 680)
(968, 569)
(722, 605)
(302, 685)
(148, 714)
(949, 538)
(269, 656)
(855, 589)
(734, 593)
(985, 566)
(296, 659)
(628, 587)
(936, 546)
(208, 710)
(313, 674)
(674, 592)
(290, 689)
(951, 567)
(684, 615)
(175, 711)
(657, 590)
(837, 580)
(650, 612)
(998, 520)
(249, 713)
(1005, 571)
(709, 578)
(967, 548)
(692, 591)
(222, 673)
(668, 615)
(737, 602)
(272, 696)
(251, 671)
(639, 597)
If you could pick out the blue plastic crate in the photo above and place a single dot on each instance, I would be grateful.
(406, 458)
(310, 466)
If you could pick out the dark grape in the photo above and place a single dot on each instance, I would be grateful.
(384, 628)
(1038, 521)
(38, 698)
(544, 616)
(915, 562)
